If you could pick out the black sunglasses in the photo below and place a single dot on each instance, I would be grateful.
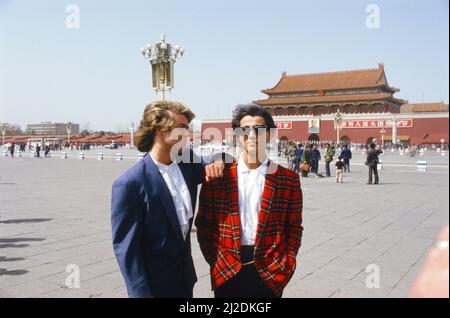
(246, 130)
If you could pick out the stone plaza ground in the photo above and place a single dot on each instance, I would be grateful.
(55, 212)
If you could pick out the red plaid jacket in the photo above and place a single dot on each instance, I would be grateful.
(279, 232)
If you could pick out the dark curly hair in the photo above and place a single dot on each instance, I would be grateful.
(251, 110)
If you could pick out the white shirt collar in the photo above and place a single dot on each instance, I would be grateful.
(161, 165)
(262, 169)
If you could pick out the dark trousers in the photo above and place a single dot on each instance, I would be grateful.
(373, 169)
(314, 166)
(346, 165)
(297, 166)
(327, 169)
(247, 283)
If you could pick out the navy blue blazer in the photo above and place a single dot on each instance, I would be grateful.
(153, 256)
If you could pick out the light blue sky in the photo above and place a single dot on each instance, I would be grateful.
(234, 49)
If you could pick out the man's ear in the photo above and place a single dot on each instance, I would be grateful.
(157, 135)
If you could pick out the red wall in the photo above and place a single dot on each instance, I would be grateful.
(436, 128)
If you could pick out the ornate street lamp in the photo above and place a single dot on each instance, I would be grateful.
(132, 135)
(337, 123)
(162, 57)
(68, 131)
(382, 132)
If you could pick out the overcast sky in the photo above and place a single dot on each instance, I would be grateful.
(95, 74)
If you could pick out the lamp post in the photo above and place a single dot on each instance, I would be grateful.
(132, 135)
(395, 140)
(68, 131)
(337, 124)
(4, 126)
(162, 57)
(382, 132)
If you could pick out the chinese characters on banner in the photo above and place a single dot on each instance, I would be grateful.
(401, 123)
(284, 125)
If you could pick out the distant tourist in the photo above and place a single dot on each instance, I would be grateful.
(315, 159)
(11, 150)
(291, 152)
(305, 166)
(298, 158)
(346, 156)
(372, 162)
(328, 159)
(47, 150)
(339, 170)
(38, 151)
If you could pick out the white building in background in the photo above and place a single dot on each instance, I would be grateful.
(49, 128)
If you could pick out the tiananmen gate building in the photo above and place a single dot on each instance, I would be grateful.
(304, 108)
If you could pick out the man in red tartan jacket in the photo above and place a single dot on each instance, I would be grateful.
(249, 223)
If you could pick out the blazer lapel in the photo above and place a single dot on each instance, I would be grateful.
(233, 200)
(162, 192)
(186, 171)
(266, 201)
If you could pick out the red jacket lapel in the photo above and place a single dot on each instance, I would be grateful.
(266, 200)
(233, 200)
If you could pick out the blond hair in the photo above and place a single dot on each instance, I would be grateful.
(157, 117)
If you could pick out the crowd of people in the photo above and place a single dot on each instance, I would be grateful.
(13, 148)
(306, 159)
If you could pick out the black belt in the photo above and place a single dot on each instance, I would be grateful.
(247, 254)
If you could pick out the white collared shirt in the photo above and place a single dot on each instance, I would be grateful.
(180, 193)
(251, 187)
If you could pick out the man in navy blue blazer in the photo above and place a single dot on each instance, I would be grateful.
(153, 204)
